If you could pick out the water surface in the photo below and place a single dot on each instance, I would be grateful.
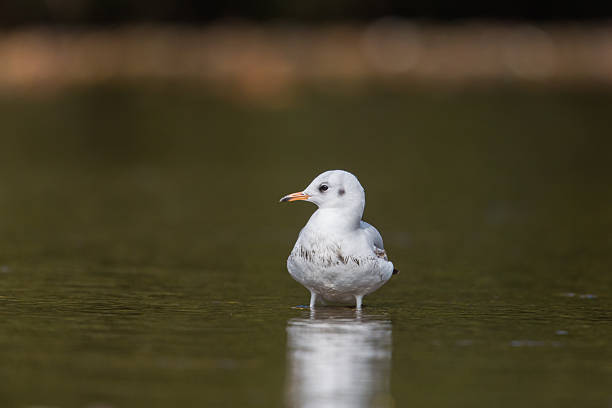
(143, 250)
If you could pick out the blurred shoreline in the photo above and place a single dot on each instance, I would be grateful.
(268, 60)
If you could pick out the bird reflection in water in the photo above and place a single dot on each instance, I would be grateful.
(338, 358)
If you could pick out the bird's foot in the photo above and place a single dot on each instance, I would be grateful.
(358, 299)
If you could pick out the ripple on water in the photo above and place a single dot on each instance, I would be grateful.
(579, 295)
(534, 343)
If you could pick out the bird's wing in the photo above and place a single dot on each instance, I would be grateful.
(377, 242)
(376, 239)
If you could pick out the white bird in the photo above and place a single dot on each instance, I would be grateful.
(338, 257)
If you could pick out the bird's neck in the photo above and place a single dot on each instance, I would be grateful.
(336, 219)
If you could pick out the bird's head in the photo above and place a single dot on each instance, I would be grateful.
(332, 189)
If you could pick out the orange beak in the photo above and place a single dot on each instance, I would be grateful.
(295, 197)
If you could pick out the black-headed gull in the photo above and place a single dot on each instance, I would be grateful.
(338, 257)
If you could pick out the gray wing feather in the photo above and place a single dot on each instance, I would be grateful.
(373, 234)
(376, 239)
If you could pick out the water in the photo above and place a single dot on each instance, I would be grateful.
(143, 250)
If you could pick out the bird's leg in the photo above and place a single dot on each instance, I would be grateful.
(313, 299)
(358, 299)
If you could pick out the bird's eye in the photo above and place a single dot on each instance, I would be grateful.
(323, 187)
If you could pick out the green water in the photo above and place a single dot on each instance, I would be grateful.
(142, 260)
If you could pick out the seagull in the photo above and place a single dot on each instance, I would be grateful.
(338, 257)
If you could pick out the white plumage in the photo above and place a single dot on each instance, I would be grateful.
(338, 257)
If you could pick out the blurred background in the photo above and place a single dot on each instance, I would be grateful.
(145, 146)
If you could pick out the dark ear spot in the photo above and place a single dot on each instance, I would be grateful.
(341, 192)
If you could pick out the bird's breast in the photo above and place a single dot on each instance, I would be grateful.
(329, 250)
